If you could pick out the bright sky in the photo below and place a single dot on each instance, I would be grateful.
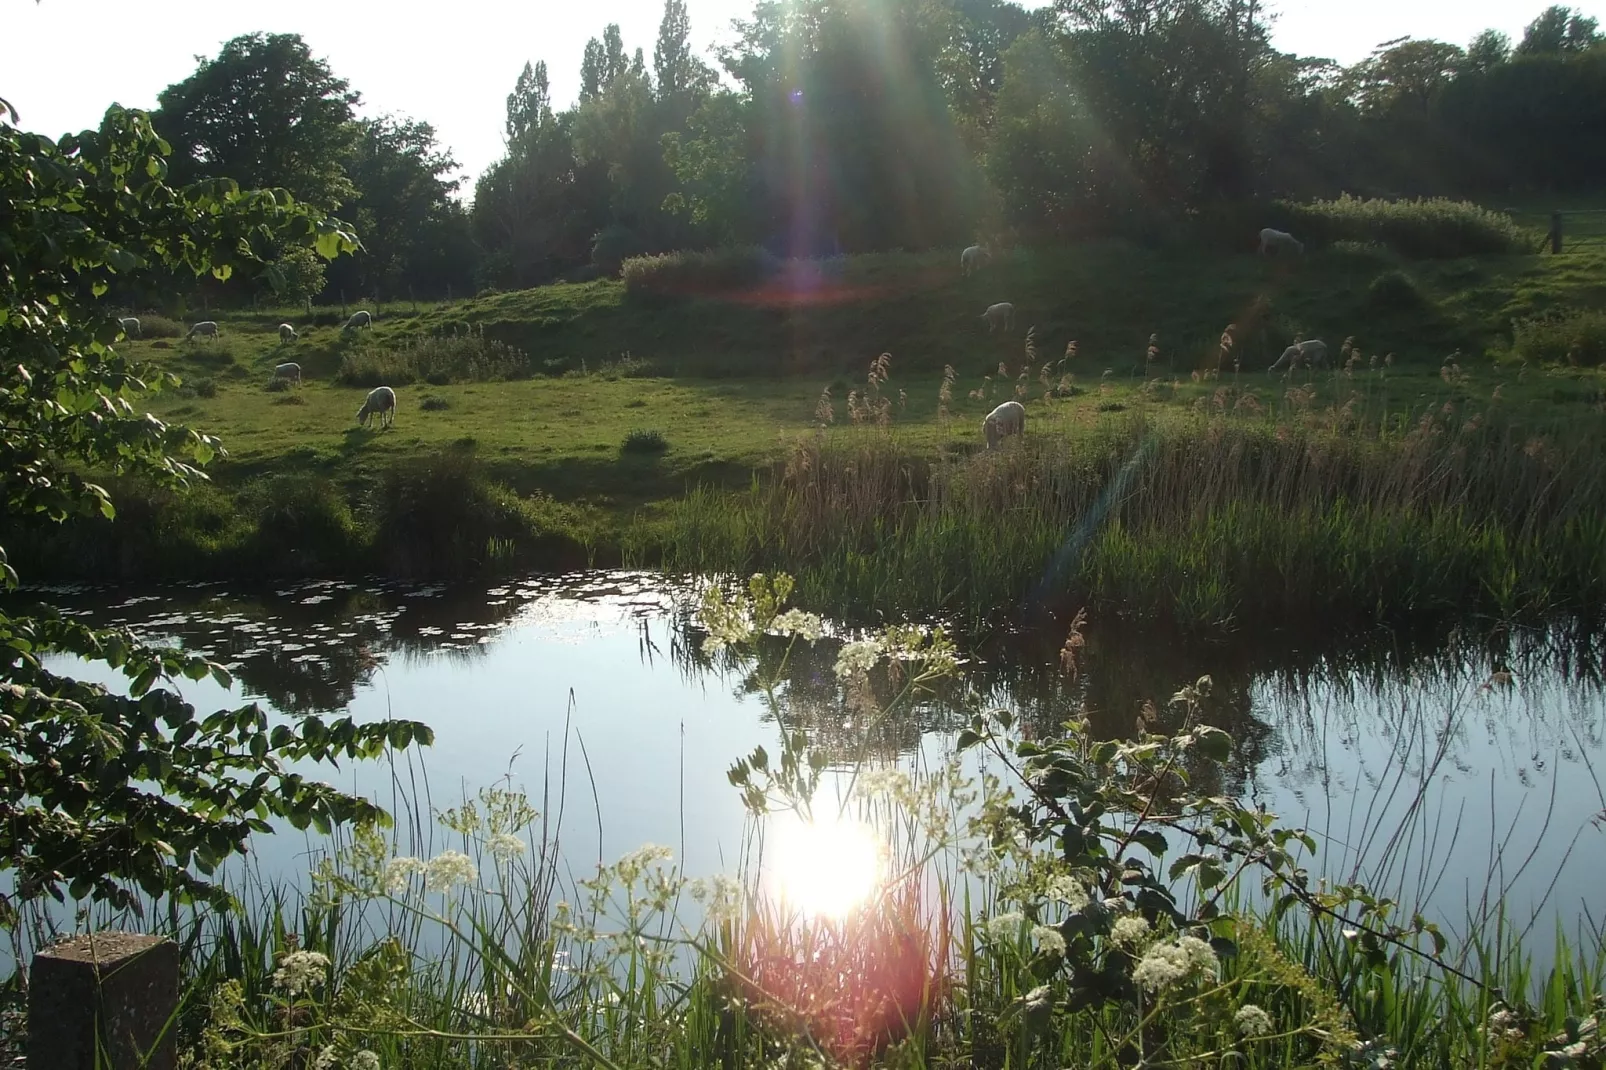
(454, 65)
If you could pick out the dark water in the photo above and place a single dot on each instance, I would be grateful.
(1422, 772)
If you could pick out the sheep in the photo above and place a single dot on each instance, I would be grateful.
(130, 325)
(359, 318)
(974, 259)
(1311, 352)
(289, 370)
(205, 327)
(999, 315)
(1008, 419)
(381, 400)
(287, 334)
(1279, 240)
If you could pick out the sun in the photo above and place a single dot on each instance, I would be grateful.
(824, 867)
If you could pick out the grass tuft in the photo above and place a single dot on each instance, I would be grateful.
(645, 441)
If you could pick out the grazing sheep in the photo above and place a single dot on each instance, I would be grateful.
(1312, 352)
(205, 327)
(287, 334)
(1279, 240)
(381, 400)
(359, 318)
(1008, 419)
(974, 259)
(130, 325)
(999, 315)
(289, 370)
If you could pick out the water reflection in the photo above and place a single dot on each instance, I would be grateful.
(1433, 766)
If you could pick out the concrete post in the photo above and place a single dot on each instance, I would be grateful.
(104, 1002)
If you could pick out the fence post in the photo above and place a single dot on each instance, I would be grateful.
(1555, 232)
(108, 1001)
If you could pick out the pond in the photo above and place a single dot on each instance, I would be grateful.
(1455, 776)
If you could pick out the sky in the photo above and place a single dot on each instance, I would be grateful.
(454, 66)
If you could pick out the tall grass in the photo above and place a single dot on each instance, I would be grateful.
(459, 357)
(1577, 337)
(1198, 521)
(1423, 228)
(691, 272)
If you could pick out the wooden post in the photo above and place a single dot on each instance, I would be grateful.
(104, 1002)
(1555, 232)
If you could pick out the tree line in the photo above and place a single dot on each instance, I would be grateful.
(854, 125)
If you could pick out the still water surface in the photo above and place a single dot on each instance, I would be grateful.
(589, 691)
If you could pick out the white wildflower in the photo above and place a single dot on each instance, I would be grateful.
(630, 867)
(300, 971)
(505, 845)
(857, 657)
(1252, 1021)
(1129, 931)
(1162, 966)
(722, 896)
(1200, 955)
(399, 873)
(1049, 941)
(1005, 927)
(326, 1060)
(449, 869)
(364, 1060)
(796, 622)
(1064, 888)
(728, 623)
(893, 782)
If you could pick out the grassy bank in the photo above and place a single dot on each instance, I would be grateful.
(590, 423)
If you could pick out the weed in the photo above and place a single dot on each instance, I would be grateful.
(1577, 338)
(433, 403)
(688, 273)
(459, 357)
(1424, 228)
(644, 441)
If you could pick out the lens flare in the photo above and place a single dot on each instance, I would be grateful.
(825, 867)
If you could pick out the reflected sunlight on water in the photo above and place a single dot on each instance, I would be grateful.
(823, 867)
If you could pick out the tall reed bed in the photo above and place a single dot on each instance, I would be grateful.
(1199, 521)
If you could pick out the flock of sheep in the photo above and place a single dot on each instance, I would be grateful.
(1010, 417)
(1006, 420)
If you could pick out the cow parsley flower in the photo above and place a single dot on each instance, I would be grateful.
(449, 869)
(796, 622)
(721, 895)
(1252, 1021)
(1162, 966)
(1049, 941)
(364, 1060)
(857, 657)
(399, 873)
(1129, 931)
(301, 971)
(505, 845)
(634, 863)
(1066, 889)
(1200, 955)
(873, 782)
(1005, 927)
(327, 1059)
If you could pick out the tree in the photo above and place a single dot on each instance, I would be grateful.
(1489, 49)
(676, 71)
(266, 114)
(98, 790)
(1404, 75)
(1559, 29)
(529, 106)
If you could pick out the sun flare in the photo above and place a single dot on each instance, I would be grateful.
(825, 867)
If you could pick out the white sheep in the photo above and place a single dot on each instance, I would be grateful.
(130, 325)
(381, 400)
(974, 259)
(1008, 419)
(287, 334)
(205, 327)
(359, 318)
(289, 370)
(999, 315)
(1279, 240)
(1312, 352)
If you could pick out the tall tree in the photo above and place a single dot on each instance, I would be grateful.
(265, 113)
(1489, 49)
(1559, 29)
(673, 65)
(592, 70)
(529, 106)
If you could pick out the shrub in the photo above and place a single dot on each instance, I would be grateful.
(1577, 337)
(1425, 228)
(644, 441)
(433, 403)
(1394, 291)
(154, 326)
(303, 523)
(205, 388)
(276, 385)
(690, 273)
(460, 357)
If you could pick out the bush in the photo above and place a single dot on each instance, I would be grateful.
(644, 441)
(690, 273)
(276, 385)
(460, 357)
(1394, 291)
(1577, 337)
(433, 403)
(303, 523)
(1422, 229)
(154, 326)
(205, 388)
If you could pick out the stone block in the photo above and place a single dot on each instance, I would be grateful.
(104, 1002)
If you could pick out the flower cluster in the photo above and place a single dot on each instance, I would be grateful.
(1005, 927)
(1252, 1021)
(1066, 889)
(1163, 965)
(1129, 931)
(633, 864)
(505, 845)
(859, 656)
(721, 897)
(449, 869)
(329, 1059)
(301, 971)
(796, 622)
(399, 873)
(1049, 940)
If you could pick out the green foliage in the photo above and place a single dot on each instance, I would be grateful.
(296, 275)
(1394, 291)
(691, 273)
(458, 357)
(1577, 338)
(1422, 229)
(434, 403)
(302, 524)
(105, 791)
(154, 326)
(612, 247)
(645, 441)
